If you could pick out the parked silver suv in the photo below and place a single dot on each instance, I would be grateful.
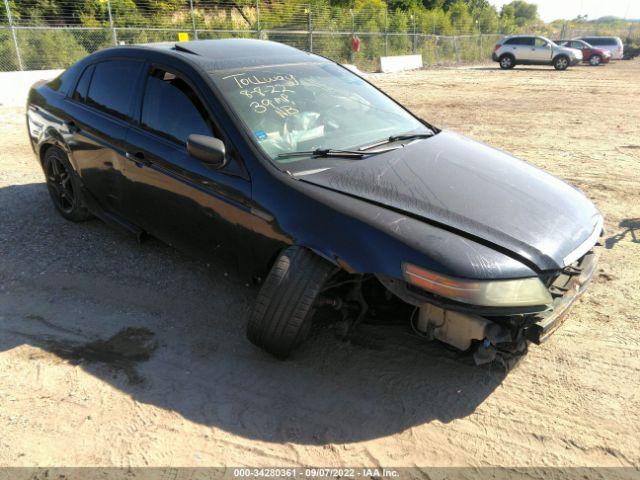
(534, 50)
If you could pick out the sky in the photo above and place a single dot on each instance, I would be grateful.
(554, 9)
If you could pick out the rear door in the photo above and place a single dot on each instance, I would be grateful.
(522, 48)
(170, 194)
(101, 106)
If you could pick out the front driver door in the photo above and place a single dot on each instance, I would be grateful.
(541, 51)
(170, 194)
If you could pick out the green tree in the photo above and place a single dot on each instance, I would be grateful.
(521, 12)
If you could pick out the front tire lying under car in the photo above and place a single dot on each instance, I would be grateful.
(281, 317)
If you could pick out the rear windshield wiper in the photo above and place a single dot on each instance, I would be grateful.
(397, 138)
(331, 152)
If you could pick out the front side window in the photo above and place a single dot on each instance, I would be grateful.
(171, 109)
(539, 42)
(112, 86)
(287, 108)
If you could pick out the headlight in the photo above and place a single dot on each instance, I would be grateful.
(518, 292)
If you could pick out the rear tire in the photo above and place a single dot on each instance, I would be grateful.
(64, 186)
(507, 62)
(281, 317)
(595, 60)
(561, 62)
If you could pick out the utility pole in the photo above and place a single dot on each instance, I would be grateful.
(13, 34)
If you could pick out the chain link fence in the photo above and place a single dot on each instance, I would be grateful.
(57, 39)
(38, 48)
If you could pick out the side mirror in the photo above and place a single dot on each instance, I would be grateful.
(208, 150)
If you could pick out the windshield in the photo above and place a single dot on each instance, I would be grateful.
(304, 107)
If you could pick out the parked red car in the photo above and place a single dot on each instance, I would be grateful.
(590, 54)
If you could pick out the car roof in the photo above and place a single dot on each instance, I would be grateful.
(598, 36)
(234, 53)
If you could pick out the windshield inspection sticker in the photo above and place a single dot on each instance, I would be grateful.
(261, 135)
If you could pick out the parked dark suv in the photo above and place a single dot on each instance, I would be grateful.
(318, 185)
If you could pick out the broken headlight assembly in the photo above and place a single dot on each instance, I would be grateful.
(520, 292)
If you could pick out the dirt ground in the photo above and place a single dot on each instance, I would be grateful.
(191, 391)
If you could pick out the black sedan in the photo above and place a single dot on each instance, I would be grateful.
(318, 185)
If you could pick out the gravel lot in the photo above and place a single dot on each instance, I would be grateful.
(206, 397)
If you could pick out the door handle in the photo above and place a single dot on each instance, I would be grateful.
(138, 158)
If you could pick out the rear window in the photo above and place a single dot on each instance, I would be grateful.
(605, 41)
(111, 88)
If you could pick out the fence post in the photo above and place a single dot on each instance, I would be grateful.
(193, 20)
(437, 57)
(415, 38)
(386, 41)
(258, 33)
(114, 36)
(455, 46)
(309, 30)
(13, 34)
(353, 34)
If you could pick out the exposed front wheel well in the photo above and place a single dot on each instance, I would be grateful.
(42, 151)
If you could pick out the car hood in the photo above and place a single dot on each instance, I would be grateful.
(478, 192)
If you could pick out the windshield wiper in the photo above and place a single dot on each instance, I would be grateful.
(332, 152)
(397, 138)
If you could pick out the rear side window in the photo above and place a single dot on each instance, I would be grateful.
(602, 41)
(171, 108)
(112, 86)
(521, 41)
(80, 93)
(63, 83)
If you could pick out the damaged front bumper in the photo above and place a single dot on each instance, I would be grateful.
(491, 333)
(566, 288)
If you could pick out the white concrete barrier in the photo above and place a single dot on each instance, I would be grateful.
(400, 63)
(14, 86)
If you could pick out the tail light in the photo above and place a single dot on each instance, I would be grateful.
(497, 47)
